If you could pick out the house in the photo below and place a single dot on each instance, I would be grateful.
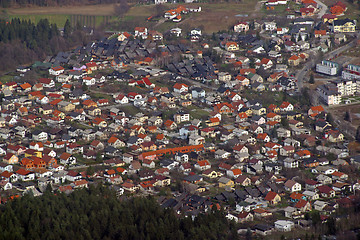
(202, 165)
(231, 46)
(292, 186)
(225, 182)
(284, 225)
(243, 180)
(56, 71)
(25, 175)
(245, 217)
(241, 27)
(10, 158)
(67, 159)
(273, 198)
(286, 107)
(344, 26)
(40, 136)
(181, 87)
(291, 163)
(270, 26)
(263, 229)
(141, 32)
(326, 191)
(294, 60)
(319, 205)
(234, 173)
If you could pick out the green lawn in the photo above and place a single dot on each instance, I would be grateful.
(6, 78)
(59, 19)
(129, 110)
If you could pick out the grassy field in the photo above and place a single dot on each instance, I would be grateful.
(208, 18)
(59, 19)
(215, 17)
(98, 10)
(89, 15)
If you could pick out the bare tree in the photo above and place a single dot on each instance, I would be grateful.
(121, 8)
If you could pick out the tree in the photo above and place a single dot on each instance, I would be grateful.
(84, 87)
(121, 8)
(331, 226)
(67, 29)
(311, 80)
(90, 171)
(357, 135)
(347, 116)
(284, 122)
(330, 118)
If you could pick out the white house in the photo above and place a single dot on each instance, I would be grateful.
(56, 71)
(39, 136)
(284, 225)
(89, 81)
(292, 186)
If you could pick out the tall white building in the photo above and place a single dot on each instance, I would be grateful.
(327, 67)
(351, 72)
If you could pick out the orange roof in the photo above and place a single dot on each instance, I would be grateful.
(160, 136)
(294, 57)
(320, 32)
(55, 102)
(25, 86)
(270, 196)
(112, 139)
(89, 102)
(296, 195)
(203, 163)
(120, 169)
(271, 115)
(236, 171)
(317, 108)
(337, 10)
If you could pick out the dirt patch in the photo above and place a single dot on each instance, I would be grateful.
(339, 113)
(98, 10)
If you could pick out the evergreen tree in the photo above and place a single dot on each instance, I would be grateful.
(311, 80)
(67, 29)
(357, 135)
(347, 116)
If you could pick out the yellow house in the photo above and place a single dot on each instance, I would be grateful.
(231, 46)
(344, 25)
(200, 189)
(212, 122)
(273, 198)
(226, 182)
(59, 114)
(35, 153)
(248, 111)
(210, 173)
(94, 111)
(45, 110)
(259, 110)
(99, 122)
(294, 60)
(10, 158)
(66, 106)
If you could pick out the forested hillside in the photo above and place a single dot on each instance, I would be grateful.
(22, 42)
(46, 3)
(96, 213)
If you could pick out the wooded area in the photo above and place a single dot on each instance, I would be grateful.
(22, 42)
(47, 3)
(96, 213)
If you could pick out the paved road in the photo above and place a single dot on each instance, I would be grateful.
(323, 8)
(314, 60)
